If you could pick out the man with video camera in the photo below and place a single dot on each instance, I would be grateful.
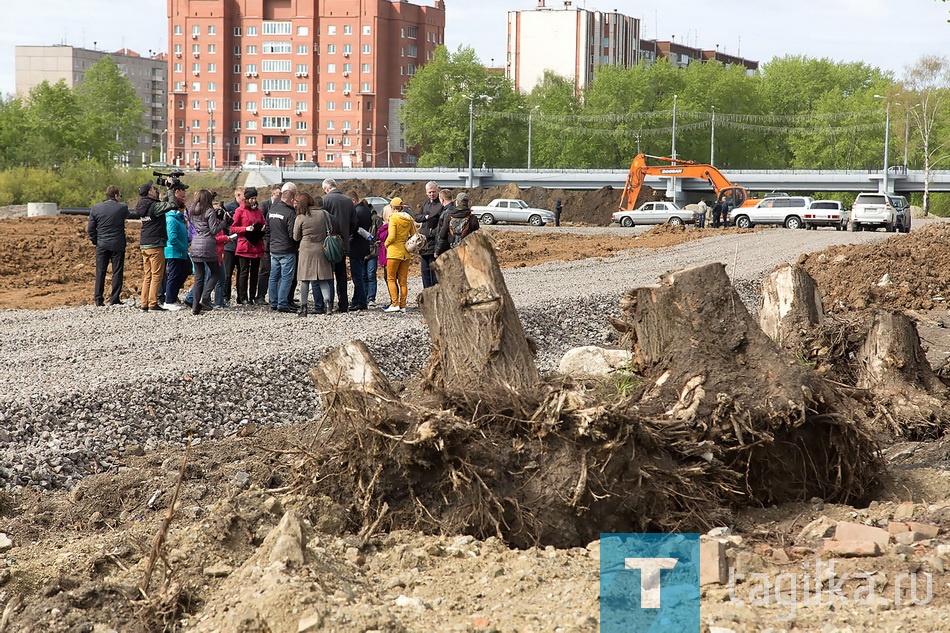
(152, 242)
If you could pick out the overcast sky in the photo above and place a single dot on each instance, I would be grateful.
(887, 34)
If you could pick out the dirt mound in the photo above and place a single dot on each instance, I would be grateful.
(907, 272)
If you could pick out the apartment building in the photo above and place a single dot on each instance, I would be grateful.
(575, 42)
(295, 81)
(568, 41)
(149, 75)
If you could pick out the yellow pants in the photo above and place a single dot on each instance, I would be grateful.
(397, 278)
(153, 263)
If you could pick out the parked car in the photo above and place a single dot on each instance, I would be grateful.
(307, 164)
(872, 211)
(787, 211)
(254, 164)
(161, 165)
(512, 211)
(378, 203)
(826, 213)
(662, 212)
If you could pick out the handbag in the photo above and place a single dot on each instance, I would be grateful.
(416, 242)
(332, 244)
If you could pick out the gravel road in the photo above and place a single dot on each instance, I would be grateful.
(84, 385)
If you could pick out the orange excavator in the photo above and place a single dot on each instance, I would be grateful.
(734, 195)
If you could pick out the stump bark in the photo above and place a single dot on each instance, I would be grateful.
(791, 304)
(478, 343)
(351, 384)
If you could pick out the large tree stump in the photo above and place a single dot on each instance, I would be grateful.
(351, 384)
(791, 304)
(478, 343)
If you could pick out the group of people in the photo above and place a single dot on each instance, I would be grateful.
(277, 246)
(720, 214)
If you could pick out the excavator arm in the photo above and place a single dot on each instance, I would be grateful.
(639, 169)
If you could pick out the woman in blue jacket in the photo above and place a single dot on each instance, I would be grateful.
(177, 263)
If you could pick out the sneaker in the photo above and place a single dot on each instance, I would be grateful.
(144, 308)
(157, 308)
(402, 309)
(173, 307)
(371, 303)
(391, 309)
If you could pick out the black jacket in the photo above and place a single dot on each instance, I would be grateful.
(359, 245)
(341, 207)
(152, 215)
(429, 216)
(444, 237)
(280, 226)
(106, 227)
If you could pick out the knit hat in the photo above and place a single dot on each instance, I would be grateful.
(144, 189)
(250, 192)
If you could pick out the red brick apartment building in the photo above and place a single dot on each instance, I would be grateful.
(294, 81)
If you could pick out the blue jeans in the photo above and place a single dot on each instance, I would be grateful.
(176, 270)
(371, 265)
(428, 275)
(282, 267)
(358, 275)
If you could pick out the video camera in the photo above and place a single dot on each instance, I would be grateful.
(167, 180)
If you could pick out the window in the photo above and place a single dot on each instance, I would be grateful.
(275, 66)
(303, 30)
(236, 106)
(250, 140)
(364, 87)
(410, 69)
(347, 68)
(196, 30)
(347, 29)
(331, 68)
(347, 49)
(237, 31)
(369, 142)
(196, 49)
(331, 86)
(195, 139)
(251, 49)
(196, 124)
(331, 141)
(195, 86)
(237, 124)
(331, 30)
(237, 69)
(212, 30)
(252, 87)
(178, 30)
(346, 141)
(213, 68)
(279, 48)
(367, 30)
(331, 105)
(276, 28)
(303, 69)
(328, 157)
(196, 68)
(236, 87)
(366, 49)
(346, 124)
(347, 105)
(331, 125)
(251, 31)
(179, 86)
(301, 140)
(250, 105)
(275, 104)
(301, 156)
(413, 51)
(178, 67)
(365, 68)
(301, 106)
(212, 86)
(251, 68)
(303, 49)
(347, 87)
(302, 88)
(278, 85)
(252, 125)
(301, 125)
(273, 122)
(331, 49)
(178, 49)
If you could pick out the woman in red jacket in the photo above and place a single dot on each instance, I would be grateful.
(248, 225)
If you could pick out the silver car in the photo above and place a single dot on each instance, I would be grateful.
(788, 211)
(662, 212)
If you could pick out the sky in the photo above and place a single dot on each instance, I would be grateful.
(882, 33)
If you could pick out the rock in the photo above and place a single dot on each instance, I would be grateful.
(218, 571)
(354, 556)
(480, 622)
(851, 549)
(593, 361)
(749, 563)
(5, 542)
(779, 555)
(936, 563)
(817, 530)
(718, 531)
(896, 527)
(904, 511)
(310, 623)
(928, 531)
(286, 541)
(407, 602)
(909, 538)
(241, 480)
(856, 532)
(713, 566)
(272, 505)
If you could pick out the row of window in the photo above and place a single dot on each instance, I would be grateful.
(284, 48)
(271, 85)
(299, 69)
(286, 28)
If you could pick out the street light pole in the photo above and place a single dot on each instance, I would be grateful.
(389, 162)
(674, 127)
(471, 138)
(887, 137)
(712, 139)
(165, 140)
(530, 112)
(210, 134)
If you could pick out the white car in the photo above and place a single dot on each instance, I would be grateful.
(662, 212)
(826, 213)
(513, 211)
(788, 211)
(254, 164)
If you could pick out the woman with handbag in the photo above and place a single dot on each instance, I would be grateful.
(314, 271)
(401, 228)
(248, 225)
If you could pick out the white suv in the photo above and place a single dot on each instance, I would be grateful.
(788, 211)
(872, 211)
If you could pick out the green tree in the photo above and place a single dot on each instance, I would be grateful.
(112, 113)
(927, 84)
(550, 100)
(13, 132)
(53, 126)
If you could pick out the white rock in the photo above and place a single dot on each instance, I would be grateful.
(593, 361)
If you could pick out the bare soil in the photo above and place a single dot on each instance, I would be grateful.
(78, 557)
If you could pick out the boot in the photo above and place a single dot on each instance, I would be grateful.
(302, 311)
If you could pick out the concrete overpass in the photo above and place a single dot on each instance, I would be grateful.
(798, 180)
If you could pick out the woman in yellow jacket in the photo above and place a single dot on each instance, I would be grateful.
(401, 227)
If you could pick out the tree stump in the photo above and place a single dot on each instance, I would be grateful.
(478, 343)
(791, 304)
(351, 384)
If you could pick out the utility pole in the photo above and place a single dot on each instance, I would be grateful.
(712, 139)
(210, 134)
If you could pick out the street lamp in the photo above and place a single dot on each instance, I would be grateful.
(887, 136)
(389, 163)
(211, 133)
(471, 134)
(165, 139)
(674, 126)
(712, 138)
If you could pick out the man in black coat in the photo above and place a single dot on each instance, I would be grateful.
(152, 244)
(428, 217)
(342, 208)
(283, 249)
(106, 229)
(359, 249)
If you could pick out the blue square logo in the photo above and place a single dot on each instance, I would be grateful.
(649, 583)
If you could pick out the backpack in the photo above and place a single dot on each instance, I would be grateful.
(458, 229)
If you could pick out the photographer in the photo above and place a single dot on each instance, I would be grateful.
(152, 242)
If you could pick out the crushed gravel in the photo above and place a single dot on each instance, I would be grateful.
(84, 386)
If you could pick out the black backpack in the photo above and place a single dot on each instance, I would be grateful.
(458, 229)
